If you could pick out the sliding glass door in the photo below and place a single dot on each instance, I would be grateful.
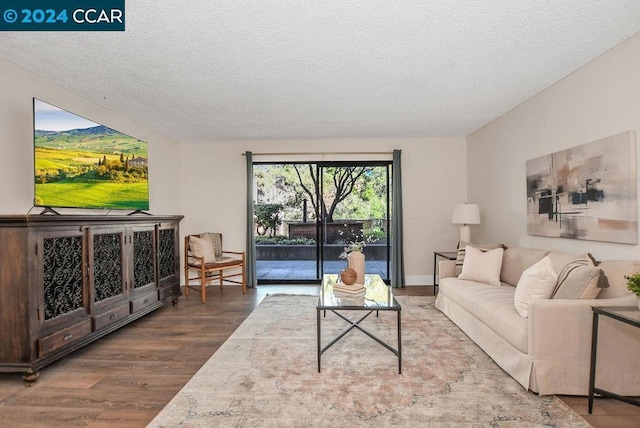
(286, 232)
(355, 209)
(306, 213)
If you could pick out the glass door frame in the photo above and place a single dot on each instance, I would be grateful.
(320, 225)
(318, 266)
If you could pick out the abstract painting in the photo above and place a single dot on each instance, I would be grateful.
(585, 192)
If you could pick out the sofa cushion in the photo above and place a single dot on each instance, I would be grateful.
(537, 282)
(516, 260)
(615, 270)
(491, 305)
(482, 266)
(578, 280)
(560, 260)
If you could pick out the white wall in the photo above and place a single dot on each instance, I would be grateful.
(18, 87)
(599, 100)
(433, 178)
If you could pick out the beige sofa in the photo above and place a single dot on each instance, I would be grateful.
(548, 352)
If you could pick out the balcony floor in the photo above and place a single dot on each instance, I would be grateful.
(290, 270)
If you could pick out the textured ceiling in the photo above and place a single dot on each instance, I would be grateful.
(205, 70)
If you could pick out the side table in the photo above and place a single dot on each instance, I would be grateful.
(449, 255)
(626, 314)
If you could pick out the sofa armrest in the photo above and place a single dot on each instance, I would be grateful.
(446, 268)
(559, 340)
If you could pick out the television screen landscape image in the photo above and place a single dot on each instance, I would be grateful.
(82, 164)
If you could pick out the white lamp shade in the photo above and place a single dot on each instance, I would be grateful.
(466, 214)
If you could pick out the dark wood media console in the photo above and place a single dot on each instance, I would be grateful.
(66, 281)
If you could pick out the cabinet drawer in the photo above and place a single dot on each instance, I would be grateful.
(63, 337)
(172, 290)
(143, 302)
(110, 317)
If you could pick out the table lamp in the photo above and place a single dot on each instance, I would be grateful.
(465, 214)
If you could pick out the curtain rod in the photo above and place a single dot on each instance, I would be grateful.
(318, 153)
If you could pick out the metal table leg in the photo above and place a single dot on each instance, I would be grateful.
(592, 370)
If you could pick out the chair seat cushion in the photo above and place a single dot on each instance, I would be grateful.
(223, 262)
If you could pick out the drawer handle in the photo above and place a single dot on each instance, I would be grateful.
(67, 336)
(113, 316)
(145, 301)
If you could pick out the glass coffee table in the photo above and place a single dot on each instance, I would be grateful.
(377, 297)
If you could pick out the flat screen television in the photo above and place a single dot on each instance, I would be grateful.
(83, 164)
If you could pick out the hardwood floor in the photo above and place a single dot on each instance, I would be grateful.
(125, 379)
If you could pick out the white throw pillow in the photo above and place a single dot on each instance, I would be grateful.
(202, 247)
(537, 282)
(482, 266)
(462, 250)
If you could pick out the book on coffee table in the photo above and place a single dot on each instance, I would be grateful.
(349, 289)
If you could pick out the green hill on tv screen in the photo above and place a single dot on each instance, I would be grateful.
(94, 167)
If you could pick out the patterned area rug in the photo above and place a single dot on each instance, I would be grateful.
(266, 374)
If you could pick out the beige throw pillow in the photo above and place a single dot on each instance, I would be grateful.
(536, 282)
(462, 251)
(482, 266)
(202, 247)
(216, 241)
(578, 280)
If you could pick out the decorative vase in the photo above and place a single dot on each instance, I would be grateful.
(355, 261)
(348, 276)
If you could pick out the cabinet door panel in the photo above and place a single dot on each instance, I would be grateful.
(144, 272)
(61, 277)
(107, 266)
(168, 256)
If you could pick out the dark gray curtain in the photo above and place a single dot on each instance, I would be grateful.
(397, 241)
(251, 248)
